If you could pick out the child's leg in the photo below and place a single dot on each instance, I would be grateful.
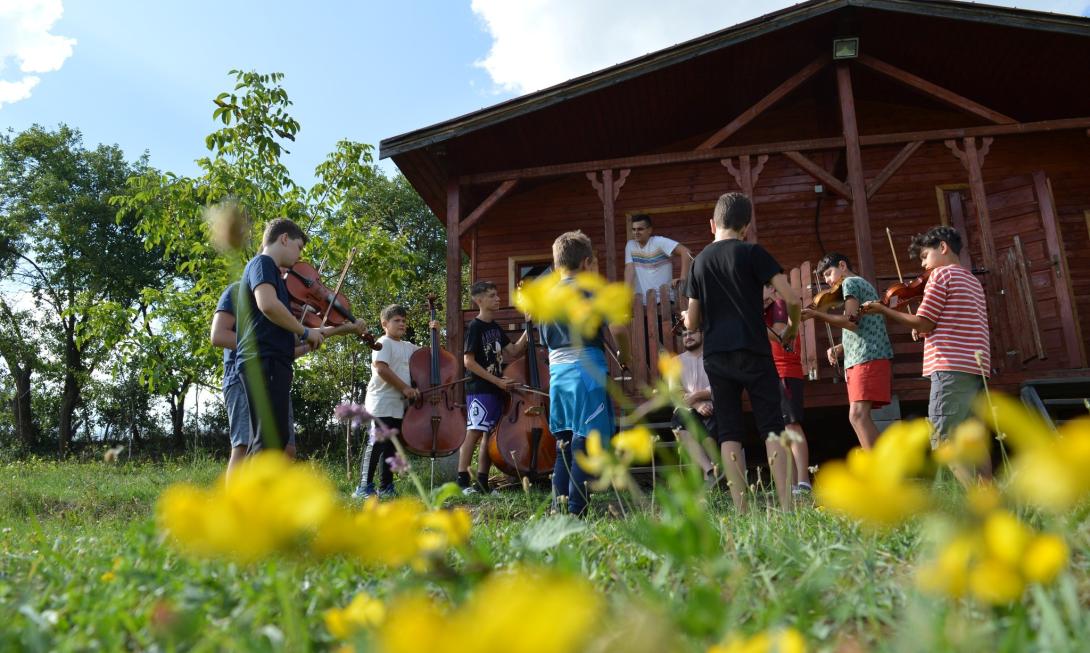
(800, 451)
(765, 392)
(384, 451)
(578, 490)
(734, 467)
(865, 428)
(465, 456)
(484, 463)
(562, 468)
(368, 463)
(696, 452)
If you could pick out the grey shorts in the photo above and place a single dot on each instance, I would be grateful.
(952, 395)
(238, 416)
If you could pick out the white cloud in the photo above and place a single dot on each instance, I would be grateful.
(25, 38)
(538, 43)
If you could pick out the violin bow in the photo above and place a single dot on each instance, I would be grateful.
(340, 283)
(307, 308)
(829, 332)
(897, 264)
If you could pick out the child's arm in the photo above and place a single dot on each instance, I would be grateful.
(223, 330)
(383, 370)
(851, 307)
(515, 349)
(920, 324)
(503, 383)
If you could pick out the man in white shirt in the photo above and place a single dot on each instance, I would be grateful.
(698, 396)
(649, 259)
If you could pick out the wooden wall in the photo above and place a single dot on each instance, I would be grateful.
(527, 221)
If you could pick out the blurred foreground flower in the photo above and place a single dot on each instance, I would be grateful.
(669, 368)
(968, 445)
(1049, 466)
(610, 466)
(876, 486)
(228, 225)
(363, 612)
(521, 610)
(351, 412)
(586, 303)
(787, 640)
(994, 561)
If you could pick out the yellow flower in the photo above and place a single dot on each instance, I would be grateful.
(1045, 557)
(1012, 420)
(108, 577)
(949, 573)
(874, 486)
(636, 444)
(585, 304)
(362, 612)
(614, 303)
(1006, 537)
(967, 446)
(992, 581)
(983, 498)
(512, 612)
(595, 459)
(444, 528)
(669, 367)
(787, 640)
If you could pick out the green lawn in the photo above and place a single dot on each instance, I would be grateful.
(82, 567)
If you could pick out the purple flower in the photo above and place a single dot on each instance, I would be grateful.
(351, 412)
(398, 465)
(381, 432)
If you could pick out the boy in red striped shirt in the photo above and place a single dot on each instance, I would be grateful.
(953, 319)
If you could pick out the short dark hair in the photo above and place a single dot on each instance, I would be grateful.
(571, 249)
(733, 211)
(832, 260)
(642, 217)
(280, 226)
(392, 311)
(481, 287)
(933, 237)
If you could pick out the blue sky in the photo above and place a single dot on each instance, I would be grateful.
(142, 73)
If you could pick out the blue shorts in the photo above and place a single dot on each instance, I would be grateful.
(483, 411)
(578, 399)
(238, 415)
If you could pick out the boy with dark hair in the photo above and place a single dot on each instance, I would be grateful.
(792, 385)
(953, 320)
(579, 402)
(486, 348)
(649, 259)
(387, 391)
(864, 343)
(726, 297)
(267, 334)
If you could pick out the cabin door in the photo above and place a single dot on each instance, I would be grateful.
(1030, 300)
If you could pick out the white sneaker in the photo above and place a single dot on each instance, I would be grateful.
(469, 490)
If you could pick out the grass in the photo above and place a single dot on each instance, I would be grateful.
(82, 567)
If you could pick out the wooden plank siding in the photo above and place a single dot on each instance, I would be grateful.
(525, 223)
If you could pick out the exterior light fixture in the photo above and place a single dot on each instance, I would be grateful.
(845, 48)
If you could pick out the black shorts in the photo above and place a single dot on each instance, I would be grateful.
(707, 423)
(732, 372)
(792, 393)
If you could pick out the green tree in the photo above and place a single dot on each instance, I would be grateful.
(82, 267)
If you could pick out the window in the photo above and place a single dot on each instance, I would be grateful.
(525, 268)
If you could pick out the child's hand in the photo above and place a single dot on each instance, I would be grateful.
(434, 324)
(870, 307)
(830, 353)
(508, 384)
(411, 393)
(705, 409)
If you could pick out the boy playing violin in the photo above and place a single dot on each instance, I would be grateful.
(387, 391)
(953, 319)
(486, 347)
(864, 343)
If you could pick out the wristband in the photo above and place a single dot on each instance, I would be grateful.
(306, 332)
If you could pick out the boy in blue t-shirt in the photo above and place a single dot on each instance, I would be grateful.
(579, 401)
(267, 334)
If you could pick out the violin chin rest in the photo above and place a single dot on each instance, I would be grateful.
(534, 411)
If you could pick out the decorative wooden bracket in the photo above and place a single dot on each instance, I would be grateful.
(608, 189)
(982, 151)
(821, 174)
(934, 90)
(473, 218)
(892, 167)
(746, 175)
(764, 103)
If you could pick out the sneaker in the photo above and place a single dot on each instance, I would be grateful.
(802, 490)
(364, 491)
(468, 490)
(387, 492)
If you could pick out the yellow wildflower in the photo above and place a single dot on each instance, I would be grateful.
(994, 582)
(1012, 420)
(949, 573)
(1045, 557)
(787, 640)
(636, 444)
(983, 498)
(515, 611)
(108, 577)
(669, 367)
(585, 304)
(875, 486)
(967, 446)
(595, 459)
(1006, 537)
(362, 612)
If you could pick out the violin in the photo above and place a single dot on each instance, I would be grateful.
(905, 292)
(523, 445)
(829, 298)
(434, 424)
(315, 305)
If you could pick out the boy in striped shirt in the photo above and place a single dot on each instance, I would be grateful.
(953, 319)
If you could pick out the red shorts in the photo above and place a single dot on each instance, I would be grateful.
(871, 381)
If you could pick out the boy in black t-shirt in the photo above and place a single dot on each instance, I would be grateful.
(726, 290)
(267, 334)
(486, 347)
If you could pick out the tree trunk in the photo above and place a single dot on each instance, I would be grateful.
(70, 397)
(177, 417)
(21, 405)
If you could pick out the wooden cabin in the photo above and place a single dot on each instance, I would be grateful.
(841, 119)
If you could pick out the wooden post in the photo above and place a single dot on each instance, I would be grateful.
(454, 273)
(746, 175)
(1065, 299)
(856, 181)
(973, 158)
(608, 189)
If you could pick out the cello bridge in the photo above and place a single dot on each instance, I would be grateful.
(534, 411)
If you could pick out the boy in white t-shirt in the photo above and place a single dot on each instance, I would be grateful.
(387, 392)
(648, 259)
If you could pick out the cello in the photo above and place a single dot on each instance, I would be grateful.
(315, 305)
(522, 445)
(434, 424)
